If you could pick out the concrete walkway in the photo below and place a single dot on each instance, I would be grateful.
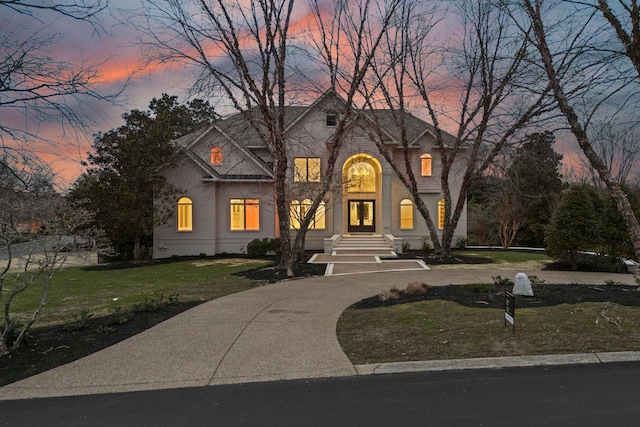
(277, 332)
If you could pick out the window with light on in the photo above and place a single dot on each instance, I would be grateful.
(306, 169)
(441, 213)
(425, 163)
(406, 214)
(298, 210)
(216, 156)
(245, 214)
(185, 214)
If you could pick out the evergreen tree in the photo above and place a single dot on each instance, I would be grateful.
(122, 174)
(574, 225)
(535, 176)
(614, 235)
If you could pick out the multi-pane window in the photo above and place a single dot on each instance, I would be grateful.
(298, 210)
(441, 213)
(406, 214)
(425, 164)
(306, 169)
(245, 214)
(185, 214)
(216, 156)
(331, 119)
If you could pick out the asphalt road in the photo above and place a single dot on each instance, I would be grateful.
(575, 395)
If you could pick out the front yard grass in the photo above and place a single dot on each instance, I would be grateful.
(440, 329)
(102, 290)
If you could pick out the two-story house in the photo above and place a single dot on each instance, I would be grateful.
(224, 175)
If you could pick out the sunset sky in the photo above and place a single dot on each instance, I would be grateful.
(120, 58)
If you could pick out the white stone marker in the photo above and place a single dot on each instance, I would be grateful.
(522, 285)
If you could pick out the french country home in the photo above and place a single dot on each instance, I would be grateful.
(224, 178)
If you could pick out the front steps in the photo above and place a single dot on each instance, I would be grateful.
(363, 244)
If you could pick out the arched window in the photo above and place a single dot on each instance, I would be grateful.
(216, 156)
(185, 214)
(406, 214)
(425, 164)
(362, 178)
(298, 210)
(441, 213)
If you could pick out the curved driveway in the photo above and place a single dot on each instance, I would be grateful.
(280, 331)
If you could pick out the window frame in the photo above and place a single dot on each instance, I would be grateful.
(215, 155)
(331, 119)
(184, 215)
(426, 164)
(304, 175)
(244, 207)
(298, 209)
(442, 211)
(409, 204)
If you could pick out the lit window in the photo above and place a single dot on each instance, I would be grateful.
(245, 214)
(185, 214)
(425, 162)
(361, 178)
(216, 156)
(298, 210)
(306, 169)
(331, 119)
(441, 213)
(406, 214)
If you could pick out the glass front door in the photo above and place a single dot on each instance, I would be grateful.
(361, 216)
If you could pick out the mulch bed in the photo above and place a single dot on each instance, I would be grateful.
(493, 296)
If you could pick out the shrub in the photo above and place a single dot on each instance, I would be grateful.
(392, 294)
(416, 288)
(155, 302)
(258, 248)
(502, 281)
(481, 288)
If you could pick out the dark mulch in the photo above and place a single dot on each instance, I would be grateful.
(272, 273)
(493, 296)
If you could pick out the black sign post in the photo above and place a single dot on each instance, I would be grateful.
(510, 310)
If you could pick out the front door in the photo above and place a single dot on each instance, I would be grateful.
(361, 216)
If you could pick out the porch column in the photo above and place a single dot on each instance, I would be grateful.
(387, 202)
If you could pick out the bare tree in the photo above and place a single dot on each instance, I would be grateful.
(620, 152)
(241, 52)
(511, 215)
(591, 75)
(345, 43)
(473, 83)
(36, 86)
(29, 257)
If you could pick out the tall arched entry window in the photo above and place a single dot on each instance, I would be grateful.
(361, 174)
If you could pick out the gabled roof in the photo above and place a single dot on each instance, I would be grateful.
(415, 127)
(239, 132)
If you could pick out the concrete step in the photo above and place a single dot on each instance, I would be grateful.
(363, 245)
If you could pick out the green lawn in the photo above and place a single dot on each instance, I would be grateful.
(100, 292)
(438, 329)
(501, 256)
